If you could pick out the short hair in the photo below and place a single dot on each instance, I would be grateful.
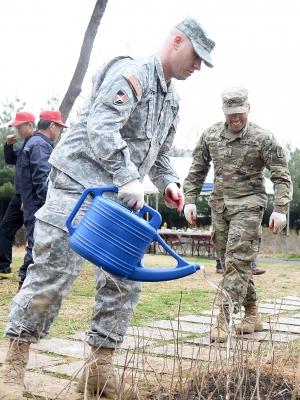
(44, 124)
(31, 122)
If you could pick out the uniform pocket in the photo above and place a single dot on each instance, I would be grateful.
(21, 300)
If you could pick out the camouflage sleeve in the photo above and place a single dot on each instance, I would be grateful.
(193, 183)
(275, 162)
(116, 99)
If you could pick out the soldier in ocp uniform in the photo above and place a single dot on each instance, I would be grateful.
(240, 151)
(123, 132)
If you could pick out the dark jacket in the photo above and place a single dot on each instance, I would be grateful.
(35, 169)
(13, 156)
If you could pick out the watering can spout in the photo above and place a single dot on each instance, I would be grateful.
(112, 237)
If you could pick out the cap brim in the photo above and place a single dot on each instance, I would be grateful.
(17, 123)
(61, 124)
(204, 54)
(235, 110)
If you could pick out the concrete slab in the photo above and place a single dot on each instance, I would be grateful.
(235, 343)
(287, 321)
(198, 319)
(181, 326)
(284, 302)
(72, 369)
(206, 320)
(273, 326)
(159, 334)
(36, 360)
(135, 342)
(294, 298)
(270, 311)
(70, 348)
(148, 363)
(275, 337)
(189, 352)
(51, 387)
(278, 307)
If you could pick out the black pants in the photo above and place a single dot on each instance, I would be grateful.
(29, 222)
(10, 224)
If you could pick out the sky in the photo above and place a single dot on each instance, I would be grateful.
(257, 47)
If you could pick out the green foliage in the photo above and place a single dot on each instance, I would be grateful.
(8, 112)
(294, 167)
(7, 190)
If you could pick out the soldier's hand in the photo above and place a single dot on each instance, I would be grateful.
(277, 222)
(190, 213)
(174, 198)
(11, 139)
(132, 194)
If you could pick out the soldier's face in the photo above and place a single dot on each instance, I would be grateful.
(236, 122)
(186, 60)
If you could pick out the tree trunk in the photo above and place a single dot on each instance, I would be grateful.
(83, 62)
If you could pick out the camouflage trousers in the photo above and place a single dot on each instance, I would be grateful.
(49, 281)
(237, 236)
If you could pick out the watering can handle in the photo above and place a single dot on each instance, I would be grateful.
(183, 268)
(154, 222)
(97, 191)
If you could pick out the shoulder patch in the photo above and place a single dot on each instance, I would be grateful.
(135, 83)
(122, 96)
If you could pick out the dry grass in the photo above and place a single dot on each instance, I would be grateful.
(259, 372)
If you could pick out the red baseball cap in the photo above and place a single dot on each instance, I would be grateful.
(54, 116)
(22, 117)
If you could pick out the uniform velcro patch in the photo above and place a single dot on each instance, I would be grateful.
(135, 83)
(122, 96)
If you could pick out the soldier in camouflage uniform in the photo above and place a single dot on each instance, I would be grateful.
(123, 132)
(240, 151)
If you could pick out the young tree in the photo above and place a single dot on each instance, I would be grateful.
(83, 62)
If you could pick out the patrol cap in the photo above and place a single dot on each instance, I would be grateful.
(54, 116)
(235, 100)
(202, 44)
(21, 118)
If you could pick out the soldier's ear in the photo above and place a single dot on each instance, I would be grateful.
(248, 107)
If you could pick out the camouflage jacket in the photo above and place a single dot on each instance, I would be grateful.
(125, 127)
(239, 164)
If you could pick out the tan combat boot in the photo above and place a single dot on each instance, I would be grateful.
(219, 332)
(99, 376)
(13, 371)
(252, 321)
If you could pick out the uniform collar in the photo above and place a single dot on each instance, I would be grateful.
(230, 135)
(160, 72)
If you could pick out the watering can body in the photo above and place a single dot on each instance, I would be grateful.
(111, 236)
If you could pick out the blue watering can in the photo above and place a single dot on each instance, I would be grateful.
(111, 236)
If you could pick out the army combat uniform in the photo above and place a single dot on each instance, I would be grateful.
(238, 199)
(124, 131)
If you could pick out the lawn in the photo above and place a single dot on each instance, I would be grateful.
(160, 300)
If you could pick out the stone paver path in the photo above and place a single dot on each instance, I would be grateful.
(161, 349)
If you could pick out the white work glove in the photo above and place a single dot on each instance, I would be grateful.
(132, 194)
(174, 197)
(190, 213)
(277, 222)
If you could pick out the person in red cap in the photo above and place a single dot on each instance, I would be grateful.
(34, 172)
(13, 218)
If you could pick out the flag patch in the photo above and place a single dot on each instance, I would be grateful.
(135, 83)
